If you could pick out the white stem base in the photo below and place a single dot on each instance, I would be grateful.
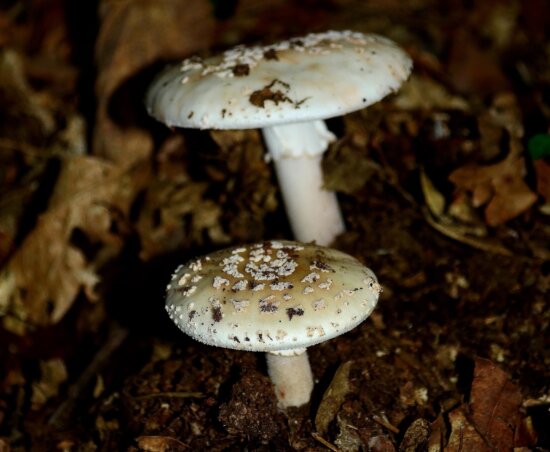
(313, 212)
(292, 378)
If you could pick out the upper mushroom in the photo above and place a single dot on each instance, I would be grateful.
(286, 89)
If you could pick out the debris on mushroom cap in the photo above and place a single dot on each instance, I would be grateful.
(274, 296)
(313, 77)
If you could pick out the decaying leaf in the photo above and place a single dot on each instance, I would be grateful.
(174, 214)
(542, 170)
(464, 436)
(134, 35)
(52, 374)
(494, 405)
(348, 439)
(42, 279)
(437, 435)
(492, 419)
(424, 93)
(159, 443)
(500, 186)
(416, 437)
(333, 397)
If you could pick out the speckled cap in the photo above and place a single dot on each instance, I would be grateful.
(317, 76)
(276, 296)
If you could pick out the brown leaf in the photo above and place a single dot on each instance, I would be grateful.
(46, 273)
(492, 419)
(52, 374)
(416, 437)
(134, 35)
(437, 435)
(494, 405)
(464, 436)
(473, 69)
(542, 170)
(333, 397)
(159, 443)
(500, 185)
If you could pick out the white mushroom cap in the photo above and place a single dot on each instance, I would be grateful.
(278, 297)
(314, 77)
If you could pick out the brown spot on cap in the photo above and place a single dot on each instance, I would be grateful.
(291, 312)
(260, 96)
(216, 314)
(271, 54)
(241, 70)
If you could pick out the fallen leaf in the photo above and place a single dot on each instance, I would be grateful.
(132, 37)
(52, 374)
(472, 68)
(492, 420)
(501, 186)
(494, 405)
(542, 171)
(464, 436)
(437, 435)
(416, 437)
(333, 397)
(424, 93)
(42, 279)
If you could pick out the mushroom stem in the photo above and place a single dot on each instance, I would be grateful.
(313, 212)
(291, 375)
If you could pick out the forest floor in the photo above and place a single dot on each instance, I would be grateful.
(444, 186)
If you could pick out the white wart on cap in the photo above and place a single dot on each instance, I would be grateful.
(276, 297)
(287, 89)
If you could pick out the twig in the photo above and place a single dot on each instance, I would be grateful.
(324, 442)
(62, 415)
(174, 395)
(385, 423)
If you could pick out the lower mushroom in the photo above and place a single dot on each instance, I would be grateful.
(277, 297)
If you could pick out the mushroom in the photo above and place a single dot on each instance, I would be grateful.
(278, 297)
(287, 89)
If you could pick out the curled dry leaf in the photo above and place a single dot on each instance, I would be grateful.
(43, 277)
(500, 186)
(333, 397)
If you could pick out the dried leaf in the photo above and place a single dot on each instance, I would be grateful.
(494, 405)
(134, 35)
(44, 276)
(423, 93)
(434, 199)
(542, 170)
(23, 115)
(464, 436)
(437, 435)
(52, 374)
(348, 440)
(500, 185)
(333, 397)
(416, 437)
(492, 419)
(174, 214)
